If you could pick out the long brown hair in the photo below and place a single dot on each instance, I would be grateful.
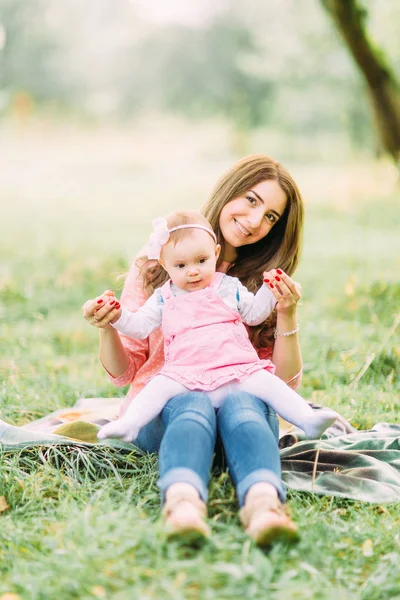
(280, 248)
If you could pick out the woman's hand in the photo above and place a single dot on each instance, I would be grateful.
(103, 310)
(287, 292)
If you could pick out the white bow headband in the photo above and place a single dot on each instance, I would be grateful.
(160, 235)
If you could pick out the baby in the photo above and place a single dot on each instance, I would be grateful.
(206, 345)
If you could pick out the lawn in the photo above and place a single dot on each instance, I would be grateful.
(77, 207)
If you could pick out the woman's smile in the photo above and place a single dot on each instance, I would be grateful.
(251, 216)
(242, 230)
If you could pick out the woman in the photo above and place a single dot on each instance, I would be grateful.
(257, 213)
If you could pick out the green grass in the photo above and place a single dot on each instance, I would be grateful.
(84, 525)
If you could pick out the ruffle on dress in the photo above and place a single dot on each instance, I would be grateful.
(211, 379)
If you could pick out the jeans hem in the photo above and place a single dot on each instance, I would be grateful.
(182, 475)
(256, 477)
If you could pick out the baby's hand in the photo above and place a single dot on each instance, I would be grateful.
(103, 310)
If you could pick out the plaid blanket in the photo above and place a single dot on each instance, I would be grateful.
(361, 465)
(364, 465)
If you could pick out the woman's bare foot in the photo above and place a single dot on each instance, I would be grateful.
(184, 513)
(266, 519)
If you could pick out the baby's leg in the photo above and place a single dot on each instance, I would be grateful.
(143, 408)
(288, 404)
(218, 395)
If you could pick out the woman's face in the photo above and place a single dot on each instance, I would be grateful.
(251, 216)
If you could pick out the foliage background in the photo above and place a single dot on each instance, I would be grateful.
(278, 65)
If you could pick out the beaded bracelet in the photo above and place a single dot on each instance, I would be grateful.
(287, 334)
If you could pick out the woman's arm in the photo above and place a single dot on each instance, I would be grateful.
(120, 356)
(286, 354)
(113, 354)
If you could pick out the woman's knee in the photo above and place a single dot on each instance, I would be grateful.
(195, 406)
(240, 407)
(150, 436)
(240, 401)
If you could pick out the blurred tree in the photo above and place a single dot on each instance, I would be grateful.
(276, 66)
(201, 73)
(384, 89)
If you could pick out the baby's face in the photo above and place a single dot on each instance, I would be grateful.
(191, 262)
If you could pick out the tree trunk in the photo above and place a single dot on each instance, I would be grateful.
(384, 90)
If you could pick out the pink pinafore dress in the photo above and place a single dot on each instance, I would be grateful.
(205, 342)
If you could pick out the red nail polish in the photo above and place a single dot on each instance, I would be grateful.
(266, 280)
(277, 278)
(99, 301)
(279, 271)
(271, 285)
(117, 305)
(112, 302)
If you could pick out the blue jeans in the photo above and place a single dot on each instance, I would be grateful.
(185, 435)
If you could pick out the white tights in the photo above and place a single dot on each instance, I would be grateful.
(262, 384)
